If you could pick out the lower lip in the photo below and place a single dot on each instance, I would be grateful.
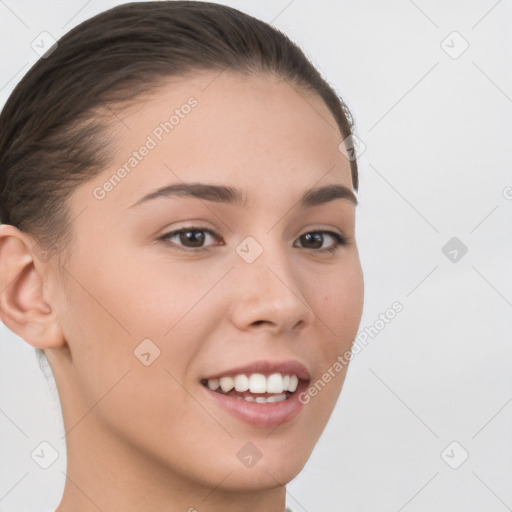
(260, 415)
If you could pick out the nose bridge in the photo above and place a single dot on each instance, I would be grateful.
(267, 290)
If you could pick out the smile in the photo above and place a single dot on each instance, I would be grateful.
(255, 387)
(262, 394)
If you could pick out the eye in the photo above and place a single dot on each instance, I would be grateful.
(315, 240)
(194, 238)
(191, 238)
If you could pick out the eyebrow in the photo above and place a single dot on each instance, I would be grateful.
(224, 194)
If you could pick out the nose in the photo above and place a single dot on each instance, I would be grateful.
(268, 296)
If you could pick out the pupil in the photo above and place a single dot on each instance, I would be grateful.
(317, 239)
(194, 238)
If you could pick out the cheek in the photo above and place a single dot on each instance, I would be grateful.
(339, 309)
(338, 305)
(174, 304)
(152, 296)
(337, 300)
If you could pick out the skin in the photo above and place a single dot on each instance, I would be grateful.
(145, 437)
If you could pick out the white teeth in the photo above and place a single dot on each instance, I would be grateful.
(277, 398)
(262, 399)
(266, 400)
(213, 384)
(275, 383)
(294, 381)
(256, 383)
(226, 384)
(241, 383)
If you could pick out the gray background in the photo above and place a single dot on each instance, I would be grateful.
(437, 129)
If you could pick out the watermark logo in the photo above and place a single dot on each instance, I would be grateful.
(454, 45)
(44, 45)
(454, 249)
(249, 250)
(354, 147)
(44, 455)
(249, 455)
(147, 352)
(44, 249)
(455, 455)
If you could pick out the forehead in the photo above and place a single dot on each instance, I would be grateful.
(253, 132)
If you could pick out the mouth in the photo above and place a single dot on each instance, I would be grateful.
(261, 394)
(255, 387)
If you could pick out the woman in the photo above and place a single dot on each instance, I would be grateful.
(178, 240)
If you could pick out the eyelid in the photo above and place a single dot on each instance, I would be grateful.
(340, 239)
(171, 234)
(323, 228)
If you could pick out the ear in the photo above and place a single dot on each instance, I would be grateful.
(23, 308)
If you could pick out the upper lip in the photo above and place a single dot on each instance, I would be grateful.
(289, 367)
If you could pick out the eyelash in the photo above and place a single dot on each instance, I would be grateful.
(340, 240)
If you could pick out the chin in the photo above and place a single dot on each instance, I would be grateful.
(268, 474)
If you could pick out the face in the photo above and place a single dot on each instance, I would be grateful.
(172, 293)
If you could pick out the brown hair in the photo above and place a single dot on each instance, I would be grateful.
(53, 127)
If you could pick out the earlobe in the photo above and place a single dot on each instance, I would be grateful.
(22, 306)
